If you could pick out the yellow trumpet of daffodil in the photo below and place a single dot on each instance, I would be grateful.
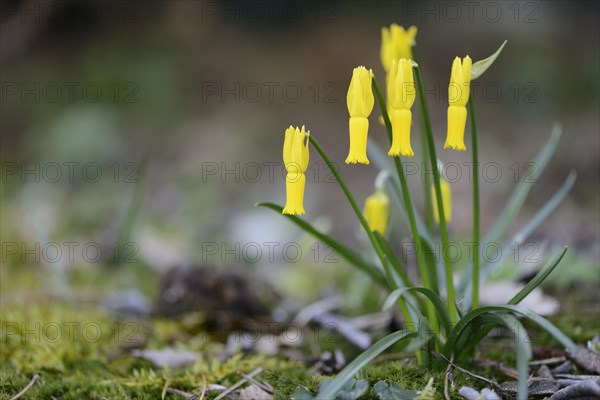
(295, 159)
(401, 96)
(458, 95)
(396, 43)
(446, 201)
(377, 211)
(360, 104)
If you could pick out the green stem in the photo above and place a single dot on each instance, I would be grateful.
(384, 262)
(351, 200)
(409, 207)
(425, 158)
(358, 212)
(438, 195)
(475, 301)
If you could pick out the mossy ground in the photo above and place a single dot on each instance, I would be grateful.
(80, 351)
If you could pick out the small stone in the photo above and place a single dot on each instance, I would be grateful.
(469, 393)
(489, 394)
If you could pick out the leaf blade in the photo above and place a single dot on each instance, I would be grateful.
(538, 278)
(513, 206)
(345, 252)
(329, 391)
(481, 66)
(431, 295)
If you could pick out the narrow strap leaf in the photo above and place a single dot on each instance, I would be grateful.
(538, 278)
(513, 205)
(451, 344)
(481, 66)
(330, 389)
(433, 298)
(533, 224)
(341, 249)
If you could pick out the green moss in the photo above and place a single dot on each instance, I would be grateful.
(79, 350)
(404, 373)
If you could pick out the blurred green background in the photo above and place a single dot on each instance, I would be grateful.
(185, 103)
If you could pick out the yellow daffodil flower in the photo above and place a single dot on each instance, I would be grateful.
(396, 43)
(360, 104)
(458, 95)
(377, 211)
(446, 201)
(401, 96)
(295, 159)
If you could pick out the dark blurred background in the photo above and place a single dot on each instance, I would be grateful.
(161, 123)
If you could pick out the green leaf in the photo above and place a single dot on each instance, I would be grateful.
(512, 207)
(533, 224)
(481, 66)
(451, 345)
(523, 349)
(382, 161)
(440, 309)
(390, 391)
(348, 372)
(302, 394)
(518, 196)
(393, 260)
(538, 278)
(436, 275)
(351, 390)
(341, 249)
(547, 209)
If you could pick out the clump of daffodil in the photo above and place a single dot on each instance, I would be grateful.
(295, 158)
(446, 201)
(360, 104)
(396, 43)
(458, 95)
(377, 211)
(401, 96)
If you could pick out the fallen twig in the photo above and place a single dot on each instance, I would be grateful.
(577, 377)
(188, 396)
(203, 387)
(464, 371)
(32, 382)
(239, 383)
(512, 373)
(447, 378)
(547, 361)
(263, 386)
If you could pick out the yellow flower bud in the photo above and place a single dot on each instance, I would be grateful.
(446, 201)
(458, 96)
(396, 43)
(295, 159)
(401, 96)
(360, 104)
(377, 211)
